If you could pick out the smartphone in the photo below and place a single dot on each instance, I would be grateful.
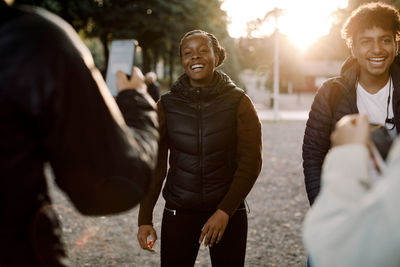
(381, 139)
(121, 57)
(379, 149)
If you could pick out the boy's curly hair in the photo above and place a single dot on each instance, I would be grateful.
(218, 49)
(367, 16)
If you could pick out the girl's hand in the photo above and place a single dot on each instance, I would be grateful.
(143, 232)
(214, 228)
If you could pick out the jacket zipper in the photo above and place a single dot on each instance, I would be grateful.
(170, 210)
(200, 140)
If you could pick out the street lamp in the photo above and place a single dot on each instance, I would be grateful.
(275, 13)
(276, 74)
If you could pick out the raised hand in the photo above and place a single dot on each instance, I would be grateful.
(136, 81)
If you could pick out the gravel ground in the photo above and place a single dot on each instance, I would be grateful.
(277, 207)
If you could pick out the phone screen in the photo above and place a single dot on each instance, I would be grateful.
(122, 55)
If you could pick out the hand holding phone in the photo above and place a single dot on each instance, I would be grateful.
(136, 81)
(351, 129)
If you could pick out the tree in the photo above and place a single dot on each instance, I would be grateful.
(157, 25)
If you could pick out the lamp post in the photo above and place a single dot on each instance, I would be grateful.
(275, 13)
(276, 75)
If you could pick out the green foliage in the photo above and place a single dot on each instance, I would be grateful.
(232, 65)
(157, 25)
(97, 49)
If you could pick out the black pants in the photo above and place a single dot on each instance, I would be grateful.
(180, 233)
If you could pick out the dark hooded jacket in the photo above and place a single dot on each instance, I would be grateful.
(214, 138)
(335, 99)
(201, 131)
(55, 108)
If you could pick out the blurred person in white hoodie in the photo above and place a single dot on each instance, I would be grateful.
(354, 221)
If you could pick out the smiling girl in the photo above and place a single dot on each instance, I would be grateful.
(212, 132)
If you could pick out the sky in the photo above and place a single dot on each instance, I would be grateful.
(303, 21)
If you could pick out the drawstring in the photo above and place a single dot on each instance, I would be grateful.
(247, 206)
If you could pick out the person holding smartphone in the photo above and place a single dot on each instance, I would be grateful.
(213, 134)
(55, 108)
(354, 222)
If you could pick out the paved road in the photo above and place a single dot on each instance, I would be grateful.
(270, 115)
(277, 207)
(291, 107)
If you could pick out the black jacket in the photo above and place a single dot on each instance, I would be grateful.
(202, 137)
(55, 107)
(335, 98)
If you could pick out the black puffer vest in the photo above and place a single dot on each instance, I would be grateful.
(201, 129)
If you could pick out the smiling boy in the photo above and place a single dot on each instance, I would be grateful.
(369, 83)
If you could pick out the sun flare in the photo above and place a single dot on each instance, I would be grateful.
(302, 21)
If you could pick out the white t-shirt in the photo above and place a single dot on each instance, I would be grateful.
(375, 105)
